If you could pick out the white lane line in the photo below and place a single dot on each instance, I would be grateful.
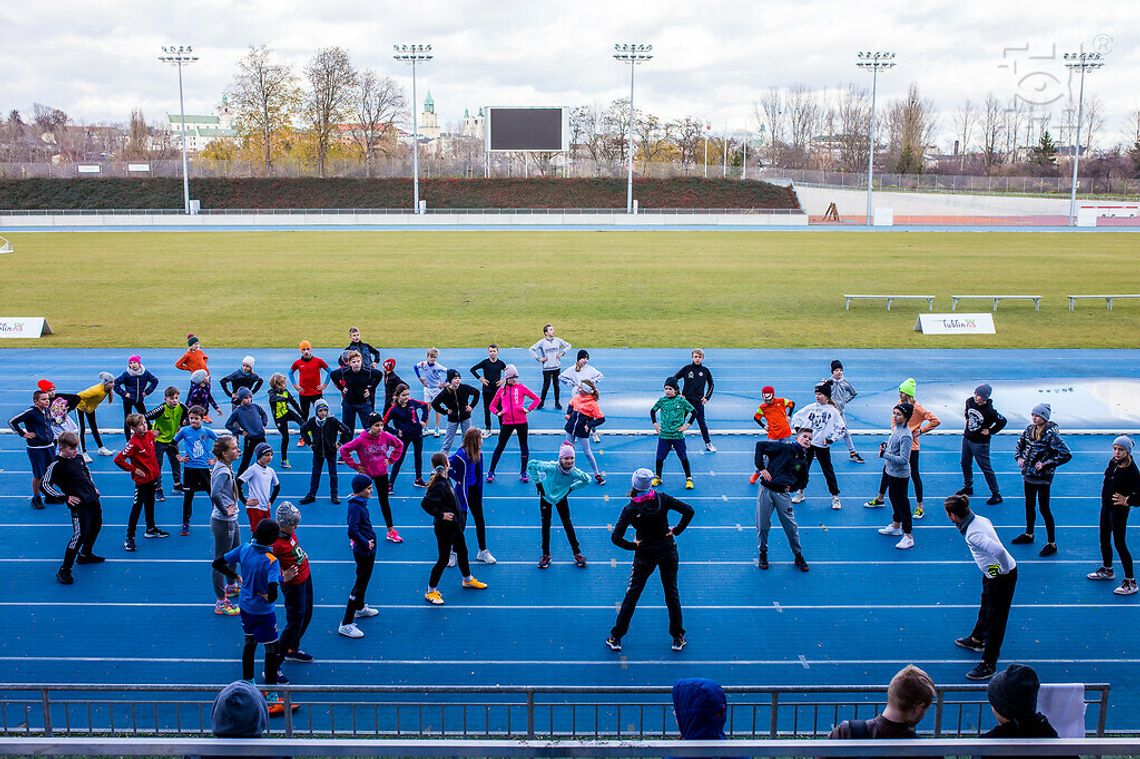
(735, 527)
(614, 563)
(774, 606)
(615, 662)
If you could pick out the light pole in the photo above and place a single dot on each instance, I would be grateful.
(181, 55)
(414, 54)
(873, 61)
(1079, 62)
(708, 129)
(633, 55)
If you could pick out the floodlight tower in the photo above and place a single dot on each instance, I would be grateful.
(873, 61)
(414, 54)
(633, 55)
(1079, 62)
(181, 55)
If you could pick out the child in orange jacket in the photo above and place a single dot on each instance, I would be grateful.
(585, 416)
(774, 415)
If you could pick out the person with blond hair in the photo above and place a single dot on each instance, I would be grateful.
(909, 697)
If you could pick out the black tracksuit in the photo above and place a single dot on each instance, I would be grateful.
(697, 386)
(787, 463)
(1124, 480)
(454, 403)
(391, 382)
(439, 500)
(649, 516)
(492, 372)
(68, 477)
(239, 379)
(368, 354)
(324, 440)
(359, 399)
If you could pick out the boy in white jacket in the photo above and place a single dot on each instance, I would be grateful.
(826, 424)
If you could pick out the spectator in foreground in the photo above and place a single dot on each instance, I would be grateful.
(700, 708)
(1013, 700)
(240, 711)
(909, 696)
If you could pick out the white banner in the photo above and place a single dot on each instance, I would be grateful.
(23, 327)
(955, 324)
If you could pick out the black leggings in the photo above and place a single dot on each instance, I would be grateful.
(914, 476)
(1040, 494)
(381, 483)
(307, 402)
(549, 377)
(88, 418)
(663, 448)
(475, 506)
(564, 514)
(824, 456)
(699, 413)
(449, 537)
(248, 446)
(900, 504)
(418, 443)
(283, 428)
(1113, 526)
(505, 431)
(272, 660)
(364, 564)
(488, 394)
(131, 407)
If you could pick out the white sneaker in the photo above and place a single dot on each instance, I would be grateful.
(710, 447)
(350, 631)
(906, 542)
(366, 612)
(436, 433)
(798, 497)
(87, 458)
(597, 438)
(1127, 588)
(485, 557)
(486, 434)
(891, 530)
(836, 503)
(452, 560)
(105, 451)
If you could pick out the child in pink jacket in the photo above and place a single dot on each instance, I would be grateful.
(509, 404)
(375, 450)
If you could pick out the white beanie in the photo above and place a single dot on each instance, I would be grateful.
(248, 360)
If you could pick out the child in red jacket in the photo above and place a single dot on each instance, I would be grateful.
(138, 458)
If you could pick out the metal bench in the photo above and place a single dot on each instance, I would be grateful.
(889, 298)
(1107, 298)
(996, 299)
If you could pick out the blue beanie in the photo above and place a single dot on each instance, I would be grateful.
(244, 392)
(360, 483)
(700, 707)
(1043, 410)
(239, 711)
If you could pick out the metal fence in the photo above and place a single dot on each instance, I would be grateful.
(400, 211)
(513, 712)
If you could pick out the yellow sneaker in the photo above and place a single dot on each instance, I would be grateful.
(434, 597)
(474, 584)
(919, 513)
(655, 481)
(689, 483)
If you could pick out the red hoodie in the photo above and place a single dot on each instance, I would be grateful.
(139, 454)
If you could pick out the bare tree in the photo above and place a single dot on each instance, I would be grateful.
(377, 104)
(913, 121)
(994, 123)
(652, 137)
(614, 122)
(583, 126)
(853, 115)
(1093, 121)
(771, 114)
(687, 134)
(14, 143)
(329, 99)
(264, 96)
(965, 119)
(138, 137)
(1134, 122)
(803, 121)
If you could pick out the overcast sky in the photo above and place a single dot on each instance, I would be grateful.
(96, 59)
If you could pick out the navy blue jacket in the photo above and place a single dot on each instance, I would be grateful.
(35, 421)
(404, 422)
(251, 419)
(360, 526)
(581, 425)
(786, 462)
(700, 707)
(465, 475)
(134, 389)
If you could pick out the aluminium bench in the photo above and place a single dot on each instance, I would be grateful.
(889, 298)
(1107, 298)
(996, 299)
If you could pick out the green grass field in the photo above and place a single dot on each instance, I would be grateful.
(606, 289)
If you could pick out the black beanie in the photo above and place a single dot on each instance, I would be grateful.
(267, 532)
(452, 374)
(583, 354)
(672, 382)
(907, 411)
(836, 364)
(373, 418)
(1013, 692)
(824, 387)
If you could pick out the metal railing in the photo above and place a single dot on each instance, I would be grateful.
(393, 211)
(519, 712)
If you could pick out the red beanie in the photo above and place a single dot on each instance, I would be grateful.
(46, 385)
(768, 389)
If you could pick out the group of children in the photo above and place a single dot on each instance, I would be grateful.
(394, 424)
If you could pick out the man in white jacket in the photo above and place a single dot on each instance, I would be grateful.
(999, 578)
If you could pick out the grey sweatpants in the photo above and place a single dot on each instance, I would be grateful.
(227, 537)
(449, 436)
(766, 501)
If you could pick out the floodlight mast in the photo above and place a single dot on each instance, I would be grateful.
(181, 55)
(1082, 62)
(413, 54)
(873, 61)
(633, 54)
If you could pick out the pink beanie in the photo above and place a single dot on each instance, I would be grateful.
(137, 358)
(565, 451)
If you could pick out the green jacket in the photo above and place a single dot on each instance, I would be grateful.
(674, 411)
(167, 420)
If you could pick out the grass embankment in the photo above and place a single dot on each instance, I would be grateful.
(662, 289)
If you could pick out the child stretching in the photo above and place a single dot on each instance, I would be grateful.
(247, 423)
(285, 410)
(369, 356)
(456, 402)
(307, 382)
(138, 458)
(197, 460)
(392, 383)
(466, 468)
(201, 395)
(773, 415)
(34, 425)
(826, 424)
(296, 584)
(403, 420)
(324, 434)
(194, 359)
(243, 377)
(450, 517)
(167, 418)
(585, 416)
(258, 486)
(556, 480)
(69, 478)
(509, 404)
(548, 352)
(376, 450)
(432, 375)
(362, 540)
(261, 574)
(920, 422)
(677, 415)
(133, 386)
(86, 401)
(843, 391)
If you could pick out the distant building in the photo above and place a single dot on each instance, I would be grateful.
(429, 122)
(200, 130)
(472, 126)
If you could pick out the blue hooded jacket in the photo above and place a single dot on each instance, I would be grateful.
(700, 707)
(239, 711)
